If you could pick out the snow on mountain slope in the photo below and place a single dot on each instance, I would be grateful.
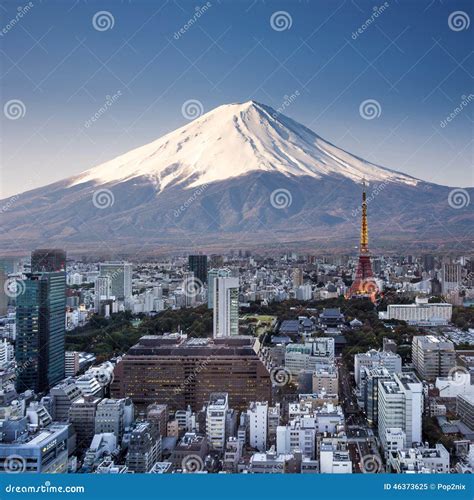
(234, 140)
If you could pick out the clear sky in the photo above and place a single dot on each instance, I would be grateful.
(61, 61)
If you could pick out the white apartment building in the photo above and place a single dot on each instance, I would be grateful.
(334, 457)
(7, 352)
(432, 356)
(326, 379)
(71, 363)
(400, 403)
(421, 313)
(215, 420)
(319, 353)
(372, 359)
(226, 307)
(421, 460)
(258, 425)
(298, 435)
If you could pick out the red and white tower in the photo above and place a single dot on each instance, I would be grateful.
(364, 284)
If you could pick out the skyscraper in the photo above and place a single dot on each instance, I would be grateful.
(226, 307)
(364, 284)
(120, 274)
(48, 260)
(212, 275)
(40, 320)
(198, 265)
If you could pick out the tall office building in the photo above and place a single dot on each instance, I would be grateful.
(216, 414)
(48, 260)
(428, 262)
(400, 405)
(212, 275)
(102, 290)
(3, 292)
(226, 307)
(198, 265)
(40, 320)
(451, 278)
(120, 274)
(432, 356)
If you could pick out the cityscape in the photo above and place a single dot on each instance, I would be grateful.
(238, 363)
(236, 249)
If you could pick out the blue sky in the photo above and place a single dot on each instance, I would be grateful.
(409, 60)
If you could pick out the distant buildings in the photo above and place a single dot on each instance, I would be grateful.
(198, 265)
(211, 277)
(120, 274)
(226, 307)
(48, 260)
(432, 356)
(421, 313)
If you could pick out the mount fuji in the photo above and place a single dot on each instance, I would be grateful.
(240, 176)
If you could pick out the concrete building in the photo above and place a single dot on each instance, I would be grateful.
(400, 405)
(120, 274)
(432, 356)
(326, 379)
(45, 451)
(421, 313)
(158, 415)
(226, 307)
(216, 415)
(82, 417)
(184, 372)
(421, 460)
(63, 395)
(465, 409)
(71, 366)
(258, 425)
(369, 388)
(212, 275)
(334, 456)
(114, 416)
(232, 455)
(372, 359)
(144, 448)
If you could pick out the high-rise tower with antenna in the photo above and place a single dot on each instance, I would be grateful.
(364, 284)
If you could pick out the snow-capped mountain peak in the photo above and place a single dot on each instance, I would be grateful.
(234, 140)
